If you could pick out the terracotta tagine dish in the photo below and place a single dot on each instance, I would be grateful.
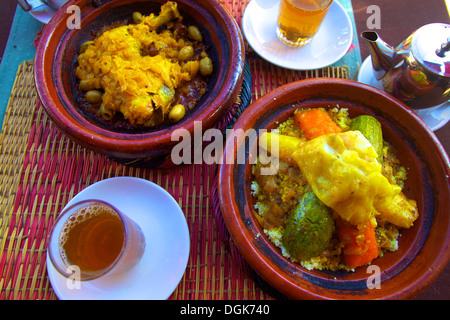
(423, 243)
(138, 130)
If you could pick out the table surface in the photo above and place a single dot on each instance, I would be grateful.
(398, 19)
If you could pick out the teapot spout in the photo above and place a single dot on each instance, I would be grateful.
(382, 53)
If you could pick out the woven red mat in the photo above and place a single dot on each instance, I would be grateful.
(41, 170)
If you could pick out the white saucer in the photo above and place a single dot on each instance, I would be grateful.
(332, 41)
(435, 117)
(162, 266)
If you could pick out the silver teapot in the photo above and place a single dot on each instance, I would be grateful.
(417, 71)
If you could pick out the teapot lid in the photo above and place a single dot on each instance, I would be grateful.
(431, 47)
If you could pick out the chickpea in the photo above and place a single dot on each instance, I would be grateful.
(85, 85)
(94, 96)
(84, 46)
(177, 113)
(137, 17)
(206, 66)
(186, 53)
(80, 73)
(195, 34)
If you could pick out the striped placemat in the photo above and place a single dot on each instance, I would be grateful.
(41, 170)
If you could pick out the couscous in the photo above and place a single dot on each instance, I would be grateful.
(336, 201)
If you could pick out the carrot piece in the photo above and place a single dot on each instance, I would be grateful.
(315, 122)
(360, 244)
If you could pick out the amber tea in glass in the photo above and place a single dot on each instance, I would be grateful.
(94, 238)
(299, 20)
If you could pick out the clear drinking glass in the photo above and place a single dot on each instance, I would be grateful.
(92, 238)
(299, 20)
